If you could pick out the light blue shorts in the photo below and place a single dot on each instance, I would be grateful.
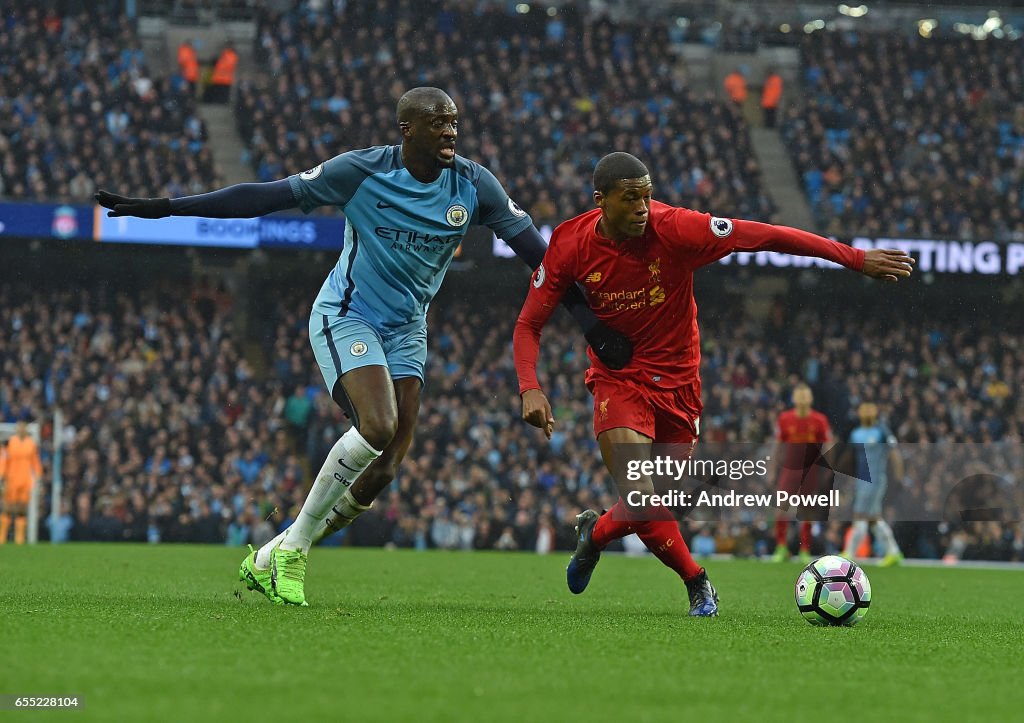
(868, 497)
(342, 343)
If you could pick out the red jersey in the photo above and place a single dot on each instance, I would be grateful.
(643, 287)
(791, 428)
(802, 438)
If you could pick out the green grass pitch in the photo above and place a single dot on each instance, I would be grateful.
(166, 633)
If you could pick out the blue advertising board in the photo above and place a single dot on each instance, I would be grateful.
(283, 231)
(44, 220)
(245, 233)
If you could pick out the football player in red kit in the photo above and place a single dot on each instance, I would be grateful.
(802, 435)
(635, 259)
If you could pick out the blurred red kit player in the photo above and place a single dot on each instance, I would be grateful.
(635, 258)
(801, 436)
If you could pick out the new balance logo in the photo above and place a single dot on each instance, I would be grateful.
(593, 278)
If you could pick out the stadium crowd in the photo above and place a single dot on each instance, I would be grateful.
(908, 137)
(177, 431)
(174, 434)
(80, 109)
(541, 97)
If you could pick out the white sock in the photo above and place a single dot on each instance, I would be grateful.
(263, 554)
(342, 514)
(884, 533)
(348, 458)
(860, 531)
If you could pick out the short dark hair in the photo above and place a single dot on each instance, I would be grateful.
(616, 166)
(414, 101)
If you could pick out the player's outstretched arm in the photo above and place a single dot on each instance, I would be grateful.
(242, 200)
(723, 236)
(612, 348)
(885, 264)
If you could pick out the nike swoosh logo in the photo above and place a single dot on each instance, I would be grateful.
(382, 204)
(350, 469)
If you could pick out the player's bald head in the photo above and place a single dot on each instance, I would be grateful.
(422, 100)
(617, 167)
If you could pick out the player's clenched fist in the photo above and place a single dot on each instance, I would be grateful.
(887, 264)
(537, 411)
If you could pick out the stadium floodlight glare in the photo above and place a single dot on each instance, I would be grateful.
(523, 8)
(925, 26)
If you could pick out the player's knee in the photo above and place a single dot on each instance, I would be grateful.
(378, 427)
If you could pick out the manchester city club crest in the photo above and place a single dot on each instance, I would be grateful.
(457, 215)
(358, 348)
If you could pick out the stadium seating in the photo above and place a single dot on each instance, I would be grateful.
(177, 437)
(175, 434)
(911, 137)
(81, 110)
(541, 98)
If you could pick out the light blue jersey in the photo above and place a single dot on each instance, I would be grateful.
(872, 452)
(400, 234)
(872, 445)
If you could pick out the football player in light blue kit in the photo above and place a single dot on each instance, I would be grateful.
(407, 208)
(875, 448)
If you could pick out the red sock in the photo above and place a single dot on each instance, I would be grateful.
(805, 537)
(612, 525)
(781, 532)
(663, 538)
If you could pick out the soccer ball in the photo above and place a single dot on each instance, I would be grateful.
(833, 591)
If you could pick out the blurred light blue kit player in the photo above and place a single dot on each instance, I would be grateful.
(875, 448)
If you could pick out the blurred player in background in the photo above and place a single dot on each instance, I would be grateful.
(20, 469)
(802, 435)
(407, 209)
(636, 258)
(875, 449)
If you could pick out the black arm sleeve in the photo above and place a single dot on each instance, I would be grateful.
(530, 247)
(243, 200)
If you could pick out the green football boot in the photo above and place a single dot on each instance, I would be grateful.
(257, 580)
(781, 554)
(288, 574)
(804, 557)
(891, 560)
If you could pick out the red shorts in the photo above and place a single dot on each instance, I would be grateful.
(670, 416)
